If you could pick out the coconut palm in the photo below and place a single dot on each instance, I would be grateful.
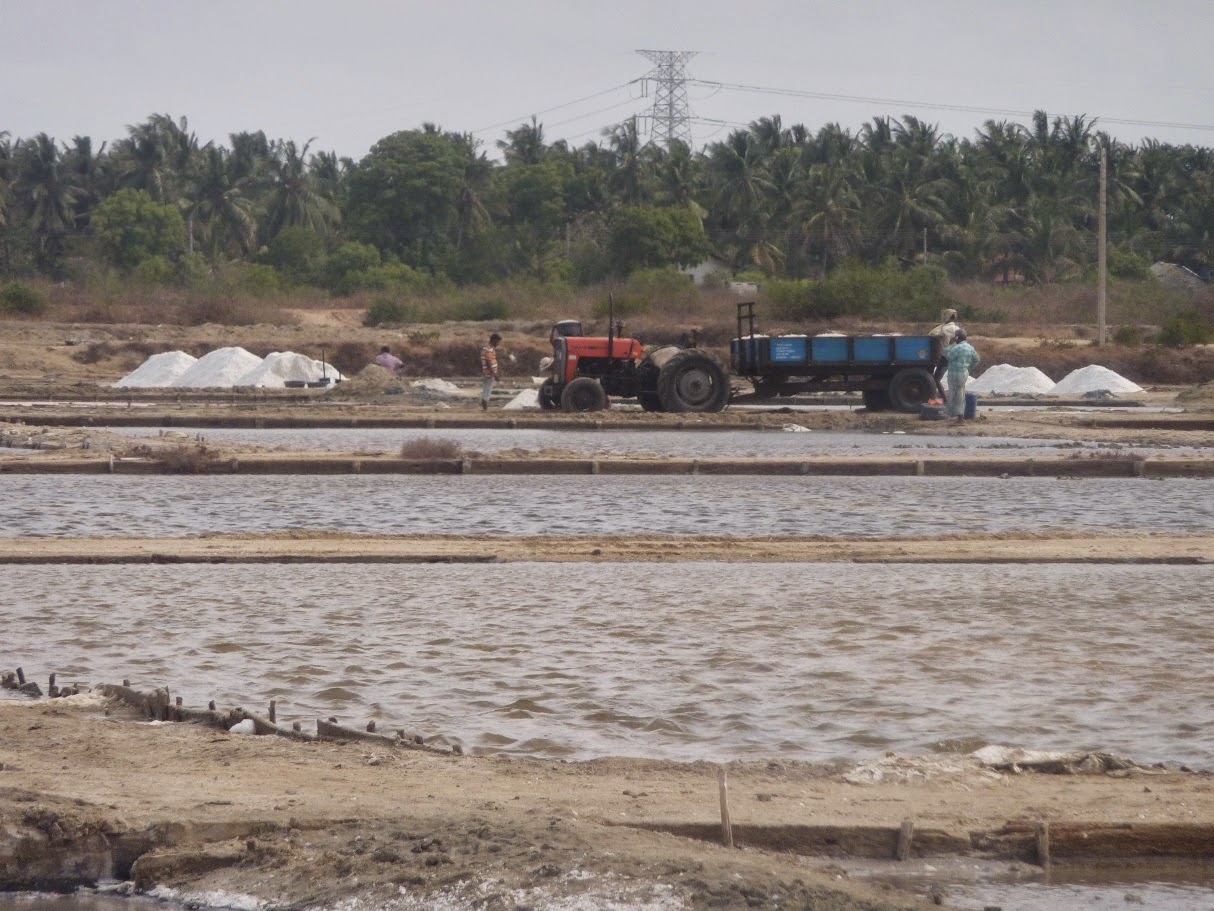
(295, 198)
(220, 211)
(46, 194)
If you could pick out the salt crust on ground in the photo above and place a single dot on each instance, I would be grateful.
(225, 900)
(1095, 379)
(595, 896)
(158, 370)
(440, 386)
(1004, 379)
(222, 367)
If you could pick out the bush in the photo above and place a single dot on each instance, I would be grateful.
(19, 298)
(258, 280)
(387, 311)
(1188, 328)
(481, 310)
(884, 292)
(155, 270)
(1123, 264)
(429, 448)
(1128, 337)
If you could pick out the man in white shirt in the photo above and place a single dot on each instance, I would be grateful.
(946, 332)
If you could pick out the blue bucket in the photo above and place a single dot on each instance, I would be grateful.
(971, 406)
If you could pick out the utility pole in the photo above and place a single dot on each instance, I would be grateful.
(671, 114)
(925, 246)
(1102, 253)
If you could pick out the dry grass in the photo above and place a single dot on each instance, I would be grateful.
(431, 448)
(184, 458)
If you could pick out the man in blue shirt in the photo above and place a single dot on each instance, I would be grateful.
(961, 358)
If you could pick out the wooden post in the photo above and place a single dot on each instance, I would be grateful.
(371, 727)
(273, 711)
(1102, 251)
(211, 705)
(296, 726)
(905, 834)
(1043, 844)
(21, 676)
(726, 825)
(51, 690)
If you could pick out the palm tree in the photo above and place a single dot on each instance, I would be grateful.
(295, 197)
(46, 194)
(628, 177)
(220, 208)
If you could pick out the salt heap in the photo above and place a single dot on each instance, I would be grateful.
(528, 398)
(442, 387)
(222, 367)
(1004, 379)
(1095, 379)
(158, 370)
(281, 367)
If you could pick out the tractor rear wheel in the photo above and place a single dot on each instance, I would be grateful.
(693, 381)
(910, 389)
(547, 396)
(583, 394)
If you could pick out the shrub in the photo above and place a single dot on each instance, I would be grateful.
(1188, 328)
(884, 292)
(431, 448)
(1128, 337)
(384, 311)
(481, 310)
(1123, 264)
(155, 270)
(258, 280)
(19, 298)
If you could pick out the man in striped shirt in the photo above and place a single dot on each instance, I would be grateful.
(489, 368)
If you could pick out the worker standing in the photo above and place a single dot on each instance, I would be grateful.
(961, 358)
(489, 368)
(946, 332)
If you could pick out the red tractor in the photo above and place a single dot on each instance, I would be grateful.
(587, 369)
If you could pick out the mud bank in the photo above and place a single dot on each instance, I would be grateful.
(86, 792)
(321, 547)
(313, 464)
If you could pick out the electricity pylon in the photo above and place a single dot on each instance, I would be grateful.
(671, 116)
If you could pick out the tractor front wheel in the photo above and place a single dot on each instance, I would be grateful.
(583, 394)
(693, 381)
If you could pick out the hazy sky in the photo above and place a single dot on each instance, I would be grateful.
(351, 72)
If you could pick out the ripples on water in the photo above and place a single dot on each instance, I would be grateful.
(165, 506)
(714, 661)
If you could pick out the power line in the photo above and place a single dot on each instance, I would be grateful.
(556, 107)
(896, 102)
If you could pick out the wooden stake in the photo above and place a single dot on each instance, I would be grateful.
(126, 683)
(211, 705)
(296, 726)
(1043, 843)
(273, 711)
(726, 826)
(371, 727)
(905, 835)
(21, 676)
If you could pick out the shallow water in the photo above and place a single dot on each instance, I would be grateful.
(168, 506)
(684, 443)
(715, 661)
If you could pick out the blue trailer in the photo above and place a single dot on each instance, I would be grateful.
(890, 371)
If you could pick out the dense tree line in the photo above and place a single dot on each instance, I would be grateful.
(427, 206)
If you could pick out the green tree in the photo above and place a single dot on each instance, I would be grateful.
(647, 237)
(131, 227)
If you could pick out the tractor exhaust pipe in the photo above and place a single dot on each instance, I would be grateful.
(610, 327)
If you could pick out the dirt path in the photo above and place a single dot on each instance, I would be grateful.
(322, 547)
(312, 823)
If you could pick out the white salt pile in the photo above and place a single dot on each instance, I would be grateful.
(1004, 379)
(442, 387)
(158, 370)
(221, 367)
(1095, 379)
(281, 367)
(528, 398)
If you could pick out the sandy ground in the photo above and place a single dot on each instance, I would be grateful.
(308, 824)
(322, 547)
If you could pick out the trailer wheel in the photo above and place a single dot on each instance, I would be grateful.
(875, 399)
(547, 396)
(693, 381)
(911, 388)
(583, 394)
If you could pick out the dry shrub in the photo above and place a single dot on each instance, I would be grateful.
(352, 357)
(373, 380)
(184, 458)
(431, 448)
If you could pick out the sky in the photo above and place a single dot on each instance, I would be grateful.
(346, 74)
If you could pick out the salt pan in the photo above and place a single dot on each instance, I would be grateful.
(1095, 379)
(158, 370)
(221, 367)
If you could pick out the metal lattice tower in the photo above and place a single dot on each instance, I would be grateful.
(671, 116)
